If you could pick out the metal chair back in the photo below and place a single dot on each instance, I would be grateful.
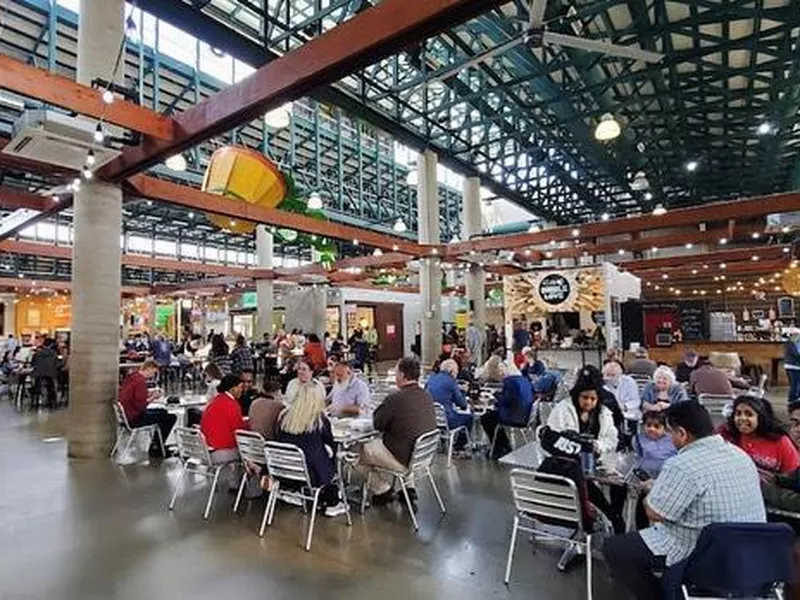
(286, 461)
(545, 496)
(425, 448)
(251, 446)
(441, 417)
(717, 406)
(122, 418)
(192, 446)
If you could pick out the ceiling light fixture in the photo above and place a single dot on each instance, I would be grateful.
(279, 118)
(659, 210)
(648, 196)
(377, 252)
(755, 235)
(621, 251)
(605, 217)
(764, 128)
(723, 241)
(576, 232)
(689, 245)
(534, 228)
(314, 201)
(176, 162)
(400, 226)
(691, 166)
(108, 97)
(607, 129)
(99, 135)
(90, 158)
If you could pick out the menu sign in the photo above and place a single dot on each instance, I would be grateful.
(554, 289)
(693, 320)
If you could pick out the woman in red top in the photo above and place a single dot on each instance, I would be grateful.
(754, 428)
(314, 351)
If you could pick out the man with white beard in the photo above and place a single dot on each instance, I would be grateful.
(350, 395)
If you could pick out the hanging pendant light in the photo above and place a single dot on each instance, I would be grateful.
(400, 226)
(280, 118)
(314, 201)
(607, 129)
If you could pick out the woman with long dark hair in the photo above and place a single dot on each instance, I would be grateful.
(753, 427)
(220, 354)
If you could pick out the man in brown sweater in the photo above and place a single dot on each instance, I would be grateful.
(707, 379)
(402, 417)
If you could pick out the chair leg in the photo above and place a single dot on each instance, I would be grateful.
(161, 442)
(178, 485)
(240, 492)
(131, 436)
(511, 545)
(494, 439)
(274, 498)
(589, 567)
(116, 444)
(364, 492)
(435, 490)
(313, 519)
(212, 492)
(273, 495)
(450, 442)
(408, 504)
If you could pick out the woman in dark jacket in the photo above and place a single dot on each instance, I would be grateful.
(305, 425)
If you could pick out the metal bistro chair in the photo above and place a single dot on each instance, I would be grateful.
(196, 460)
(288, 462)
(124, 429)
(511, 430)
(448, 436)
(251, 450)
(641, 381)
(717, 406)
(421, 458)
(553, 500)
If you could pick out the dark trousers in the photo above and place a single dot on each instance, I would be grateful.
(632, 564)
(612, 509)
(794, 384)
(50, 388)
(489, 422)
(160, 417)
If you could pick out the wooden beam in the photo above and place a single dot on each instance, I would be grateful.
(66, 93)
(12, 199)
(747, 208)
(182, 195)
(696, 260)
(10, 283)
(365, 39)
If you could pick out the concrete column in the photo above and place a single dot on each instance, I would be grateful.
(305, 309)
(430, 276)
(97, 222)
(471, 224)
(264, 287)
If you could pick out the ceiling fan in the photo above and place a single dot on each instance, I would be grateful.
(536, 35)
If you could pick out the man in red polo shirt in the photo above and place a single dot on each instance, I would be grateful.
(135, 398)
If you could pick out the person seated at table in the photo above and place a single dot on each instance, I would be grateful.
(784, 493)
(753, 427)
(707, 379)
(690, 362)
(401, 418)
(241, 357)
(493, 370)
(349, 396)
(264, 411)
(512, 407)
(314, 352)
(248, 391)
(584, 412)
(443, 388)
(624, 389)
(213, 376)
(641, 364)
(135, 398)
(305, 374)
(305, 425)
(652, 444)
(708, 481)
(663, 391)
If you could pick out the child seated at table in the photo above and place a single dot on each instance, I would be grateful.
(653, 445)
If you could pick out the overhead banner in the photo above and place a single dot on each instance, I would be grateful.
(568, 290)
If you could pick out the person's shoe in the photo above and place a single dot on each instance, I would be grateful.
(383, 499)
(292, 498)
(412, 494)
(335, 510)
(157, 454)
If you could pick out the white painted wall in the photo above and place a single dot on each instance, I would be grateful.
(622, 287)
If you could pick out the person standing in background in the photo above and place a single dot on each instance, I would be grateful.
(474, 345)
(791, 362)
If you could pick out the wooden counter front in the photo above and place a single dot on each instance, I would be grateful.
(768, 355)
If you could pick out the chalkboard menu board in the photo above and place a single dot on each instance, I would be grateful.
(693, 317)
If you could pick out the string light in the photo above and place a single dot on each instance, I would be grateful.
(108, 96)
(90, 158)
(99, 134)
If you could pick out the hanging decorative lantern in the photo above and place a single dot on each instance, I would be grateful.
(243, 175)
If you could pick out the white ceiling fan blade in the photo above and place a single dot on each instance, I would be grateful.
(602, 47)
(537, 13)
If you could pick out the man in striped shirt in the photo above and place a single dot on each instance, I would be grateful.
(709, 481)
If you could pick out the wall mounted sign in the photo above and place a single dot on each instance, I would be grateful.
(554, 289)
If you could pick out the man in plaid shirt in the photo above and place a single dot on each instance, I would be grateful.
(709, 481)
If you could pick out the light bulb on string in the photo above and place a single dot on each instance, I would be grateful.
(99, 134)
(87, 173)
(90, 159)
(108, 96)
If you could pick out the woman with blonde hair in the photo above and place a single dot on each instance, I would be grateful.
(305, 425)
(492, 370)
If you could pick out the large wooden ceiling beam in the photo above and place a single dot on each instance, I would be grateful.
(9, 283)
(66, 93)
(365, 39)
(195, 199)
(761, 268)
(696, 260)
(707, 213)
(12, 199)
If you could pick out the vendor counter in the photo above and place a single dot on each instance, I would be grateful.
(571, 358)
(768, 355)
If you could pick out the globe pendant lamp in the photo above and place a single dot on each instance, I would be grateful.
(607, 129)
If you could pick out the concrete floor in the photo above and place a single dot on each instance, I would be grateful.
(93, 530)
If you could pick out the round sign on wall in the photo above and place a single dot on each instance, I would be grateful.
(554, 289)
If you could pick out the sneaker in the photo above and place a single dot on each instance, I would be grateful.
(292, 498)
(382, 499)
(335, 510)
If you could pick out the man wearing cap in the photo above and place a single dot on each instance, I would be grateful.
(683, 372)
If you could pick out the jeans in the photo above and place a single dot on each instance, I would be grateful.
(156, 416)
(632, 564)
(455, 420)
(794, 383)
